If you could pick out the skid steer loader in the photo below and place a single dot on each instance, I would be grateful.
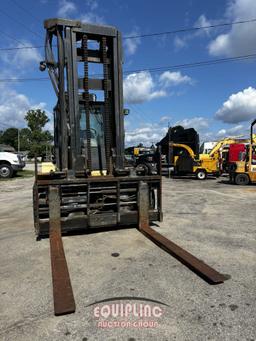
(91, 188)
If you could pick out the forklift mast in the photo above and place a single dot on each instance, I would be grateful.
(252, 138)
(95, 189)
(87, 77)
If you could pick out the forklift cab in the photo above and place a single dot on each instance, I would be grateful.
(97, 135)
(253, 155)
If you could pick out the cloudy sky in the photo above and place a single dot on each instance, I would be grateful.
(218, 100)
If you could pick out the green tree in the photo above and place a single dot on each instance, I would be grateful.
(25, 138)
(10, 137)
(36, 120)
(39, 140)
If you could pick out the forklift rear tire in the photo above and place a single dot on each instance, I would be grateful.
(242, 179)
(201, 174)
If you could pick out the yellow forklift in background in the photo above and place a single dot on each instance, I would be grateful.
(244, 172)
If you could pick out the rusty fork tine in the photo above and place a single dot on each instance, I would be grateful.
(196, 265)
(63, 297)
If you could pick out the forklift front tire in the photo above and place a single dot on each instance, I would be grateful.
(201, 174)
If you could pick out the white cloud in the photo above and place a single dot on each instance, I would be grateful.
(150, 133)
(66, 8)
(164, 119)
(240, 39)
(131, 44)
(234, 131)
(179, 43)
(92, 14)
(199, 123)
(207, 136)
(169, 78)
(202, 21)
(239, 107)
(92, 18)
(22, 57)
(13, 107)
(140, 87)
(92, 4)
(154, 132)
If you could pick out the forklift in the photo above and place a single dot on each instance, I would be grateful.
(91, 188)
(243, 172)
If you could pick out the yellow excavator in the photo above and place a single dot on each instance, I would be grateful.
(243, 172)
(220, 152)
(185, 161)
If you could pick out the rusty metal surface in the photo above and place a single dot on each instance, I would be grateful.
(103, 179)
(143, 205)
(63, 297)
(203, 270)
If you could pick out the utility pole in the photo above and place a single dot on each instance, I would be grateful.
(18, 140)
(168, 152)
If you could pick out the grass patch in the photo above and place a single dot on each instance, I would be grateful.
(25, 174)
(20, 175)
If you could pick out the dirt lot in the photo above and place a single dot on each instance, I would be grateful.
(211, 219)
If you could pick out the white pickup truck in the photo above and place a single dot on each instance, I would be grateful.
(10, 163)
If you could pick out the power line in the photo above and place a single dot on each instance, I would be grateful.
(20, 48)
(139, 114)
(11, 37)
(182, 30)
(194, 64)
(190, 29)
(26, 11)
(14, 80)
(155, 69)
(20, 23)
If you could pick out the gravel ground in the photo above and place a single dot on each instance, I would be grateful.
(212, 219)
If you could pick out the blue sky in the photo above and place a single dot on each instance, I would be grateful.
(217, 100)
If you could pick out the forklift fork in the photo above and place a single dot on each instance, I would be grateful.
(203, 270)
(63, 297)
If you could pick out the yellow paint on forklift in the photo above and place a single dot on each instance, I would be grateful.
(46, 168)
(136, 151)
(98, 173)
